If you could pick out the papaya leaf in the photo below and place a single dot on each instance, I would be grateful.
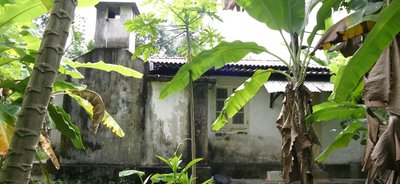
(64, 124)
(144, 24)
(45, 144)
(107, 67)
(22, 12)
(8, 113)
(225, 52)
(336, 113)
(240, 97)
(342, 140)
(107, 120)
(387, 27)
(288, 15)
(67, 86)
(31, 38)
(69, 70)
(98, 106)
(16, 86)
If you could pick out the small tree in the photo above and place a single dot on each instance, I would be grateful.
(186, 19)
(20, 45)
(18, 162)
(289, 18)
(378, 61)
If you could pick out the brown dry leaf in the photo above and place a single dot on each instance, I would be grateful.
(45, 144)
(386, 153)
(377, 83)
(297, 159)
(349, 47)
(393, 105)
(382, 89)
(6, 132)
(340, 32)
(98, 106)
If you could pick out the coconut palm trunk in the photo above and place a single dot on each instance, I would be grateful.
(18, 163)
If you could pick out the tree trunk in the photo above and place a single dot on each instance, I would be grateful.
(297, 136)
(18, 162)
(191, 108)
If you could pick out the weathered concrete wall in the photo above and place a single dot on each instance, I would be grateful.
(262, 142)
(327, 132)
(124, 100)
(166, 123)
(110, 32)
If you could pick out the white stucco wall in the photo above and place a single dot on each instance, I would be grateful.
(262, 143)
(353, 153)
(327, 132)
(166, 123)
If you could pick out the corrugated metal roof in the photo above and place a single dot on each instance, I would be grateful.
(169, 65)
(274, 86)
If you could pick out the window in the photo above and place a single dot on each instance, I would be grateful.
(237, 123)
(113, 13)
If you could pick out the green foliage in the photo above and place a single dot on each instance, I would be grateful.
(225, 52)
(178, 175)
(323, 14)
(241, 96)
(343, 139)
(107, 120)
(67, 69)
(175, 177)
(64, 124)
(22, 13)
(378, 39)
(78, 45)
(10, 71)
(350, 115)
(106, 67)
(179, 18)
(333, 111)
(288, 15)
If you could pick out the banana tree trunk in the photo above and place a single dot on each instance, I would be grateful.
(18, 163)
(297, 136)
(382, 93)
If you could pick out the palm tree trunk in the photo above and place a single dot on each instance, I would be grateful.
(18, 163)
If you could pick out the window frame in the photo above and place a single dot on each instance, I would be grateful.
(230, 127)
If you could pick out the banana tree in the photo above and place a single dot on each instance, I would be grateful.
(377, 61)
(186, 18)
(289, 18)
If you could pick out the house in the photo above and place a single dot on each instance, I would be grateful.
(247, 147)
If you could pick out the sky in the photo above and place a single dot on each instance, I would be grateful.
(235, 26)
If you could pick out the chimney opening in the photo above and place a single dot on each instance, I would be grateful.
(114, 13)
